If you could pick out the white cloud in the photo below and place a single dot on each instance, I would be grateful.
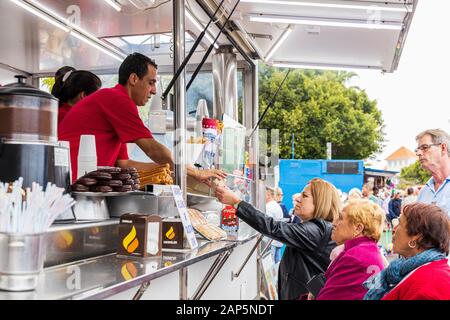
(417, 95)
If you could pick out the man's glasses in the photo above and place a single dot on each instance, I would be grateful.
(425, 147)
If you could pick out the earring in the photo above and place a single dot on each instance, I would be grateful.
(413, 245)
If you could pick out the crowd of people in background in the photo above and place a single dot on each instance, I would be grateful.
(332, 239)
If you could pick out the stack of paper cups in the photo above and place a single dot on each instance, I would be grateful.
(87, 155)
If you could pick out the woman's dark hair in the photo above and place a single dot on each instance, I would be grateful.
(63, 70)
(59, 74)
(135, 63)
(431, 223)
(71, 83)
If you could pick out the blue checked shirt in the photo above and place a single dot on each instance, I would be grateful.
(441, 197)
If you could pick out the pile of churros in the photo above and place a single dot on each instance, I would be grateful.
(161, 174)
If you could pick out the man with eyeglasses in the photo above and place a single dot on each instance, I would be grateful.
(434, 156)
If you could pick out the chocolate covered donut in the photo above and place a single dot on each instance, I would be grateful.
(124, 188)
(101, 189)
(86, 181)
(111, 183)
(121, 176)
(100, 175)
(79, 188)
(109, 169)
(136, 181)
(128, 182)
(129, 170)
(135, 176)
(136, 186)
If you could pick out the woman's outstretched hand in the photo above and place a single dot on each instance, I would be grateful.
(226, 196)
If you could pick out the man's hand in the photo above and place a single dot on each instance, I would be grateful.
(205, 175)
(226, 196)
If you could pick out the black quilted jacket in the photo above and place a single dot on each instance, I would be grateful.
(308, 248)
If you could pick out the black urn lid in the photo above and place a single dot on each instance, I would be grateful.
(22, 88)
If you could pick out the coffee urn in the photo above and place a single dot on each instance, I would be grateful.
(29, 146)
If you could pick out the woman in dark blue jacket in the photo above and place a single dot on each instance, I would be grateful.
(395, 206)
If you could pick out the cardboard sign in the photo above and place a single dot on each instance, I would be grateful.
(182, 210)
(139, 235)
(173, 234)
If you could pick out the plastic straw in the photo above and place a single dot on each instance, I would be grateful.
(34, 214)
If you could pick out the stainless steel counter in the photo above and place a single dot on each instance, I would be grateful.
(107, 275)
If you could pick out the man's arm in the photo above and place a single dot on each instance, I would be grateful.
(140, 166)
(162, 155)
(155, 151)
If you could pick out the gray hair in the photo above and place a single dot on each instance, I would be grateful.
(437, 136)
(354, 192)
(270, 191)
(277, 191)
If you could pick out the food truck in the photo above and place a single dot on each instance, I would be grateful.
(211, 49)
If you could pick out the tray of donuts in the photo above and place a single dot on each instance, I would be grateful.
(108, 181)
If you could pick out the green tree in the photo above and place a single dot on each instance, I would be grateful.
(318, 107)
(414, 174)
(48, 83)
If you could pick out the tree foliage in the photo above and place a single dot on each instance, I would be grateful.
(317, 107)
(49, 83)
(414, 174)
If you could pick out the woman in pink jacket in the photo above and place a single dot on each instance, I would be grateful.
(359, 228)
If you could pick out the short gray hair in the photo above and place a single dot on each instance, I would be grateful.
(437, 136)
(270, 191)
(278, 191)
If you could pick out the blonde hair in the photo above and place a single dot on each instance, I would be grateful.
(367, 213)
(327, 202)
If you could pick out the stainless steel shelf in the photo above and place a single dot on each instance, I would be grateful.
(107, 275)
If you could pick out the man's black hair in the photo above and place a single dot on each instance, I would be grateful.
(135, 63)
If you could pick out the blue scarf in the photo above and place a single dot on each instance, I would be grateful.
(380, 284)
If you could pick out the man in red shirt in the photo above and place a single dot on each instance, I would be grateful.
(112, 116)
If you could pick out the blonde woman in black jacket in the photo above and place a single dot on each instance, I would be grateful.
(308, 244)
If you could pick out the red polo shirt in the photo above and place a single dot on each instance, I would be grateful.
(112, 117)
(62, 111)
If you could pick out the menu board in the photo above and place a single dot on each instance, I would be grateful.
(182, 210)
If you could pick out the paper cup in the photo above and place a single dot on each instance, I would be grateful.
(87, 146)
